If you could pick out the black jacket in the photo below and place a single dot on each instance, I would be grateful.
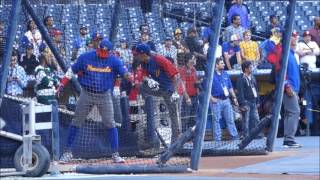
(244, 90)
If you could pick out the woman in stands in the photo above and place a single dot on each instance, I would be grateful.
(34, 37)
(249, 49)
(46, 81)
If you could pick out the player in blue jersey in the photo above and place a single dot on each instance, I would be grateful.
(96, 72)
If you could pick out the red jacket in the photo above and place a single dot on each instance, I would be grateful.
(189, 78)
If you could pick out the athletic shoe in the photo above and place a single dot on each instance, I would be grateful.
(291, 144)
(66, 157)
(116, 158)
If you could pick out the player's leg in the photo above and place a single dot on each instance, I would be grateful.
(83, 107)
(105, 106)
(174, 116)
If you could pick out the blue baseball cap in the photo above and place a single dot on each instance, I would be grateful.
(143, 48)
(106, 44)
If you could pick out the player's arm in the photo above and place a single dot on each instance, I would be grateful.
(176, 81)
(167, 66)
(173, 73)
(76, 68)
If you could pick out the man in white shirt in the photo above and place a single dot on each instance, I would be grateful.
(308, 50)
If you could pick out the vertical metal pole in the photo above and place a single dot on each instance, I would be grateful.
(32, 118)
(11, 34)
(201, 125)
(27, 139)
(280, 86)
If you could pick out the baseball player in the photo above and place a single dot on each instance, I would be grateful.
(96, 72)
(161, 79)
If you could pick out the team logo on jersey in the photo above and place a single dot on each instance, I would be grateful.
(99, 69)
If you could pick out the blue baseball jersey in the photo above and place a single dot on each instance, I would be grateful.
(220, 81)
(161, 70)
(98, 74)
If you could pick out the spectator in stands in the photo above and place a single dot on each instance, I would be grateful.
(315, 31)
(161, 79)
(231, 52)
(220, 101)
(79, 45)
(273, 48)
(247, 93)
(49, 24)
(273, 23)
(95, 40)
(308, 50)
(291, 102)
(125, 53)
(180, 44)
(194, 44)
(51, 61)
(189, 101)
(46, 81)
(234, 28)
(144, 28)
(249, 49)
(145, 39)
(29, 62)
(169, 50)
(242, 11)
(34, 37)
(294, 45)
(206, 40)
(17, 78)
(57, 39)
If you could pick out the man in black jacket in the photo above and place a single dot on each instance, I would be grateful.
(248, 98)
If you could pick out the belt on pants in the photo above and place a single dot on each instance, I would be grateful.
(221, 97)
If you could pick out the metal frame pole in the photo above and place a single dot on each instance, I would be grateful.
(284, 64)
(201, 125)
(11, 34)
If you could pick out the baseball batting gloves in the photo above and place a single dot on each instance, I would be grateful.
(174, 97)
(152, 84)
(64, 81)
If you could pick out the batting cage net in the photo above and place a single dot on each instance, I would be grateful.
(129, 79)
